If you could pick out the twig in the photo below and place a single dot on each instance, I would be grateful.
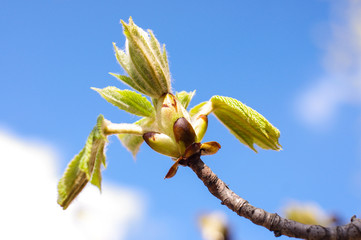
(272, 221)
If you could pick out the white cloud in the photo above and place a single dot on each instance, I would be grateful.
(340, 83)
(28, 208)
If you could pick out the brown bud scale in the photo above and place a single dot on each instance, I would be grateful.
(184, 132)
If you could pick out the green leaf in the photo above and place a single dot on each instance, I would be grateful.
(96, 177)
(165, 58)
(127, 100)
(128, 81)
(84, 167)
(133, 142)
(122, 57)
(135, 80)
(196, 109)
(144, 53)
(246, 124)
(185, 97)
(72, 182)
(155, 47)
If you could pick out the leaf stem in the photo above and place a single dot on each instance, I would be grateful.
(120, 128)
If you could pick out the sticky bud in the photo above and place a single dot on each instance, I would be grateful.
(162, 143)
(210, 148)
(168, 110)
(183, 133)
(200, 125)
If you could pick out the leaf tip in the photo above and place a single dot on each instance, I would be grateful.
(113, 74)
(122, 22)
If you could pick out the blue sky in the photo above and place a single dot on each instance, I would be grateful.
(295, 62)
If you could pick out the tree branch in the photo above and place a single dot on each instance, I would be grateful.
(272, 221)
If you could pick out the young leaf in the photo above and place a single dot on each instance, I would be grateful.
(128, 81)
(157, 51)
(133, 142)
(84, 167)
(127, 100)
(203, 108)
(135, 79)
(165, 58)
(96, 177)
(145, 60)
(72, 182)
(185, 97)
(246, 124)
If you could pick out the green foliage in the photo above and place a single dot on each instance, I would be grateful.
(85, 167)
(185, 97)
(166, 126)
(128, 81)
(127, 100)
(246, 124)
(197, 109)
(144, 61)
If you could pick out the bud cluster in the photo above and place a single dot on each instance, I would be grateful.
(166, 126)
(174, 131)
(179, 137)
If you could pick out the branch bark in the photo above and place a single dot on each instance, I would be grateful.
(272, 221)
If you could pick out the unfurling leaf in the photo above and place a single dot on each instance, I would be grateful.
(246, 124)
(144, 61)
(85, 167)
(128, 81)
(72, 182)
(185, 97)
(127, 100)
(204, 108)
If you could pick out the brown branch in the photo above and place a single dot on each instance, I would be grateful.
(271, 221)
